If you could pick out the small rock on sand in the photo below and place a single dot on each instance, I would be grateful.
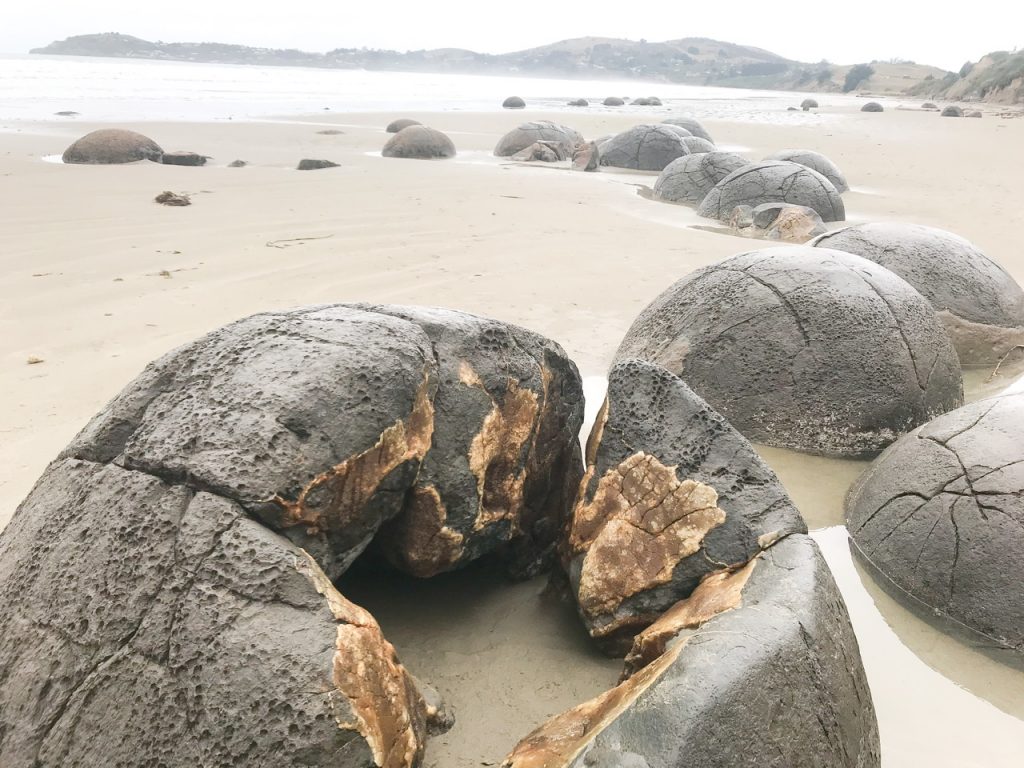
(315, 165)
(172, 198)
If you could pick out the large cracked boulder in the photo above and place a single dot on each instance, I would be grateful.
(773, 181)
(980, 304)
(643, 148)
(694, 126)
(111, 146)
(527, 134)
(816, 162)
(670, 482)
(939, 519)
(758, 668)
(804, 348)
(167, 584)
(688, 179)
(418, 142)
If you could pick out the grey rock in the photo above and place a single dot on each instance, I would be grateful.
(678, 129)
(758, 669)
(655, 437)
(237, 164)
(973, 113)
(403, 122)
(952, 111)
(697, 145)
(579, 103)
(816, 162)
(653, 101)
(613, 101)
(418, 142)
(66, 113)
(586, 157)
(872, 106)
(688, 179)
(538, 130)
(172, 199)
(742, 217)
(110, 146)
(310, 164)
(939, 519)
(773, 181)
(821, 352)
(793, 224)
(643, 101)
(929, 105)
(643, 148)
(513, 102)
(183, 158)
(694, 126)
(808, 104)
(980, 304)
(542, 151)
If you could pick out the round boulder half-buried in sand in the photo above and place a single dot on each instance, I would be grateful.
(872, 106)
(643, 148)
(418, 142)
(773, 181)
(688, 179)
(980, 304)
(826, 353)
(527, 134)
(692, 124)
(403, 122)
(816, 162)
(111, 146)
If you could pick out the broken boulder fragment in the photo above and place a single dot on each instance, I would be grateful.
(586, 157)
(183, 158)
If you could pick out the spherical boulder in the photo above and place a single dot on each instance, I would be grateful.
(678, 129)
(688, 179)
(816, 162)
(653, 101)
(773, 181)
(980, 304)
(872, 106)
(691, 124)
(643, 148)
(823, 352)
(613, 101)
(939, 519)
(513, 102)
(110, 146)
(403, 122)
(642, 101)
(808, 104)
(418, 142)
(952, 111)
(579, 103)
(527, 134)
(929, 105)
(973, 113)
(695, 144)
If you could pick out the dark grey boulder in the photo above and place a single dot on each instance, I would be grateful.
(542, 151)
(513, 102)
(671, 482)
(579, 103)
(773, 181)
(613, 101)
(678, 129)
(183, 158)
(689, 178)
(807, 104)
(643, 101)
(759, 667)
(816, 162)
(418, 142)
(237, 164)
(697, 145)
(821, 352)
(643, 148)
(691, 124)
(111, 146)
(872, 106)
(939, 518)
(929, 105)
(403, 122)
(980, 304)
(311, 164)
(173, 566)
(952, 111)
(538, 130)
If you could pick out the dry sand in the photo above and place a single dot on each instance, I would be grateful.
(98, 280)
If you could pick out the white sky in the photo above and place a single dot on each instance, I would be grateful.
(940, 33)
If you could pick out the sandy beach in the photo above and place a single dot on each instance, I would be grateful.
(98, 280)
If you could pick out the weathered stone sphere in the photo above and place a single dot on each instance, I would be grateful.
(773, 181)
(973, 113)
(808, 104)
(816, 162)
(513, 102)
(404, 122)
(110, 146)
(613, 101)
(642, 101)
(527, 134)
(653, 101)
(691, 124)
(872, 106)
(939, 519)
(695, 144)
(823, 352)
(929, 105)
(978, 301)
(579, 103)
(643, 148)
(952, 111)
(418, 142)
(688, 179)
(678, 129)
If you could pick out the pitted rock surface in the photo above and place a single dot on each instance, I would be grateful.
(939, 517)
(418, 142)
(758, 667)
(980, 304)
(643, 148)
(240, 474)
(694, 126)
(773, 181)
(821, 352)
(111, 146)
(657, 445)
(689, 179)
(539, 130)
(816, 162)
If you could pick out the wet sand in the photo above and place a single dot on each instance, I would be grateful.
(98, 280)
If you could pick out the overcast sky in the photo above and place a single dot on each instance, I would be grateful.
(857, 30)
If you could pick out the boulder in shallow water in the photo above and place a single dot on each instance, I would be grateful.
(773, 181)
(403, 122)
(815, 161)
(939, 519)
(418, 142)
(643, 148)
(688, 179)
(825, 353)
(111, 146)
(513, 102)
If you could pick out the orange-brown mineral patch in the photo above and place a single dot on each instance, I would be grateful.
(640, 523)
(390, 713)
(336, 498)
(419, 540)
